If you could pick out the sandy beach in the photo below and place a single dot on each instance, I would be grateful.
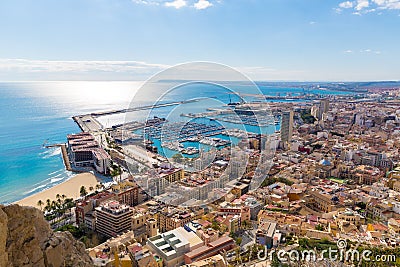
(69, 188)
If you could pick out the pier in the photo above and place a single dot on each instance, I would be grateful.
(126, 110)
(64, 154)
(88, 122)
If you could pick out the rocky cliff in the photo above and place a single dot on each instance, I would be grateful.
(27, 240)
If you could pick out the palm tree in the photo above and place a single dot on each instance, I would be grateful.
(63, 197)
(60, 208)
(83, 191)
(48, 205)
(69, 203)
(53, 204)
(98, 186)
(40, 204)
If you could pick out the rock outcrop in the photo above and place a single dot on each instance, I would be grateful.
(27, 240)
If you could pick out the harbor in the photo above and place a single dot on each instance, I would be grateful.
(89, 123)
(181, 130)
(214, 127)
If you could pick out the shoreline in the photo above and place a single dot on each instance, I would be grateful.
(69, 188)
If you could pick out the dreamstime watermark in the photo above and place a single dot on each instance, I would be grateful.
(339, 254)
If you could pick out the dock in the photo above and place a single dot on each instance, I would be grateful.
(64, 154)
(126, 110)
(88, 122)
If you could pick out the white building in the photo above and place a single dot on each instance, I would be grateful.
(173, 245)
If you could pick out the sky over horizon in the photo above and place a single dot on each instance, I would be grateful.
(288, 40)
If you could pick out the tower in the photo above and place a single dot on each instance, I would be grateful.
(286, 127)
(151, 227)
(323, 108)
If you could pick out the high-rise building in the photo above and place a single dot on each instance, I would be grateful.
(113, 218)
(324, 105)
(126, 193)
(315, 111)
(323, 108)
(286, 127)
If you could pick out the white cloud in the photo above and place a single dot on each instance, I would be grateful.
(60, 69)
(63, 66)
(28, 69)
(387, 4)
(361, 4)
(360, 7)
(202, 4)
(365, 51)
(347, 4)
(197, 4)
(312, 22)
(147, 2)
(370, 51)
(176, 4)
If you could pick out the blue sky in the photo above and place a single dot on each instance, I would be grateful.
(266, 39)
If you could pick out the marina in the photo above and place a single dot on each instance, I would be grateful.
(239, 115)
(212, 127)
(181, 131)
(186, 138)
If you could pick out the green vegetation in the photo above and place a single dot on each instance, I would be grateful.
(251, 253)
(177, 157)
(276, 262)
(307, 117)
(75, 231)
(337, 180)
(271, 180)
(89, 238)
(115, 170)
(290, 240)
(112, 144)
(82, 191)
(40, 203)
(361, 205)
(237, 239)
(319, 245)
(215, 225)
(56, 208)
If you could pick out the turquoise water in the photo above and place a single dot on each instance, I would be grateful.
(34, 113)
